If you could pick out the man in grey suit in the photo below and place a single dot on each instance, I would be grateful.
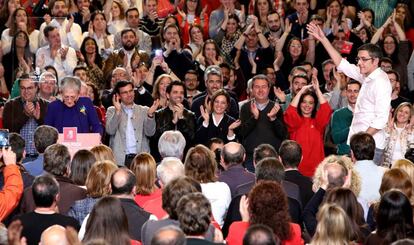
(128, 124)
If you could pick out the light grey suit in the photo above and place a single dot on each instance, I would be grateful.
(116, 125)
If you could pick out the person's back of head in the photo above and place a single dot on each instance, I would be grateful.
(394, 216)
(45, 190)
(337, 173)
(233, 154)
(259, 234)
(170, 168)
(263, 151)
(176, 189)
(270, 168)
(169, 235)
(45, 136)
(171, 144)
(333, 226)
(54, 235)
(362, 146)
(17, 145)
(107, 220)
(290, 153)
(57, 160)
(123, 182)
(409, 155)
(194, 213)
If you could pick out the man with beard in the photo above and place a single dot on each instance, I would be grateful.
(70, 32)
(274, 25)
(173, 117)
(56, 54)
(126, 56)
(144, 40)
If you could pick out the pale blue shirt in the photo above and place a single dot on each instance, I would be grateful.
(131, 142)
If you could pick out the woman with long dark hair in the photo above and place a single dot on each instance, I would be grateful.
(20, 22)
(108, 221)
(394, 219)
(306, 118)
(89, 54)
(19, 59)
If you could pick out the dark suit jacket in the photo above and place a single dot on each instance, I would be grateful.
(69, 193)
(235, 176)
(304, 183)
(291, 189)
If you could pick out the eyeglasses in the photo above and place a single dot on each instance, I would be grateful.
(357, 59)
(26, 88)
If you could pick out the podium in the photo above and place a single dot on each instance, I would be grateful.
(78, 141)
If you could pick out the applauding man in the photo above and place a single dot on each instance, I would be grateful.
(129, 124)
(261, 120)
(174, 116)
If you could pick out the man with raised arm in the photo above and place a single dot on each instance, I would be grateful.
(373, 104)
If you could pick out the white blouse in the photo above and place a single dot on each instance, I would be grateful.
(6, 41)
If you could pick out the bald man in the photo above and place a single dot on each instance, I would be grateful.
(169, 235)
(123, 185)
(234, 174)
(54, 235)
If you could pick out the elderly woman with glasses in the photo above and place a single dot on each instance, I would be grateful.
(72, 110)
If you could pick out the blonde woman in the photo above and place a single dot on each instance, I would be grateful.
(333, 227)
(399, 134)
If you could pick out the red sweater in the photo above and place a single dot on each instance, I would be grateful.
(308, 132)
(239, 228)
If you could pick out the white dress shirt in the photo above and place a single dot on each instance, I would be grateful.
(6, 41)
(373, 104)
(63, 67)
(72, 39)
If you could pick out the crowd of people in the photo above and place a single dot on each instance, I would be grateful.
(220, 121)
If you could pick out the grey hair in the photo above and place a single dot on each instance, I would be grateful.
(212, 70)
(171, 144)
(70, 82)
(170, 168)
(46, 74)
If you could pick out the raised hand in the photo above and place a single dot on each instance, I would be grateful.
(116, 101)
(288, 26)
(315, 31)
(244, 209)
(205, 114)
(273, 112)
(70, 23)
(9, 157)
(36, 112)
(90, 29)
(181, 13)
(153, 108)
(47, 18)
(63, 52)
(235, 125)
(279, 94)
(254, 110)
